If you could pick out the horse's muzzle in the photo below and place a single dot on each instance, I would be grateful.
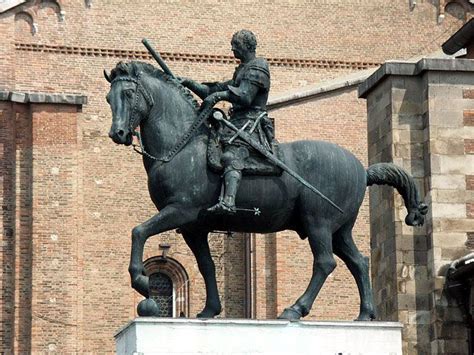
(121, 136)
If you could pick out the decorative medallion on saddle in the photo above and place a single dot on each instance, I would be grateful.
(254, 162)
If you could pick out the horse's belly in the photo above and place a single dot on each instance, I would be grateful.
(264, 205)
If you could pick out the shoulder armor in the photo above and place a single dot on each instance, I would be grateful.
(258, 73)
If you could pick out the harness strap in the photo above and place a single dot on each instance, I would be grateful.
(183, 140)
(181, 143)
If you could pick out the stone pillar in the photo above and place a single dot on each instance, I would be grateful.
(419, 117)
(41, 258)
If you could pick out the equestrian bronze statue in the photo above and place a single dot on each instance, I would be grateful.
(187, 148)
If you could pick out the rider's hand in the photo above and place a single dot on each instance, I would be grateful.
(210, 101)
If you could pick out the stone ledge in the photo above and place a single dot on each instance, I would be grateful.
(40, 97)
(309, 92)
(414, 69)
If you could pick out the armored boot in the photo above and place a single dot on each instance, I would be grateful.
(226, 205)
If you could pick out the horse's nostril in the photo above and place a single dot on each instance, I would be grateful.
(121, 133)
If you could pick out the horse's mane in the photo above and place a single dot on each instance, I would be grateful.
(134, 67)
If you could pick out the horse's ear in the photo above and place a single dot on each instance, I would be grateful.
(107, 76)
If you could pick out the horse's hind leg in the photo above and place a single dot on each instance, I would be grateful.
(199, 245)
(345, 248)
(320, 241)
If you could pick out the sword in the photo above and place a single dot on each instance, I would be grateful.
(261, 149)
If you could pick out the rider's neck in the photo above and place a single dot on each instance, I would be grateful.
(247, 57)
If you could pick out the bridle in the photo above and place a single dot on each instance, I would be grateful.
(133, 123)
(140, 149)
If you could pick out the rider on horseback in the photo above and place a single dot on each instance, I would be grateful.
(248, 92)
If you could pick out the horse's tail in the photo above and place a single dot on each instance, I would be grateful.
(390, 174)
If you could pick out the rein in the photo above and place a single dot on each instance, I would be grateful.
(140, 148)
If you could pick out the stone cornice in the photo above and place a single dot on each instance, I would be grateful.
(414, 69)
(313, 91)
(192, 57)
(44, 98)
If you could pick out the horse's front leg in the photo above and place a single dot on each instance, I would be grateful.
(169, 217)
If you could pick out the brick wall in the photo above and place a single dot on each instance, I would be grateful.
(86, 193)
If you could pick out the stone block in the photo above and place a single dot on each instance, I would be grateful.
(4, 95)
(448, 210)
(457, 225)
(457, 164)
(408, 151)
(448, 239)
(408, 122)
(409, 333)
(406, 106)
(419, 317)
(19, 97)
(453, 253)
(437, 346)
(453, 330)
(450, 196)
(455, 78)
(446, 147)
(448, 182)
(408, 136)
(445, 91)
(455, 347)
(460, 133)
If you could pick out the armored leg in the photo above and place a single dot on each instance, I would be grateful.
(233, 161)
(231, 185)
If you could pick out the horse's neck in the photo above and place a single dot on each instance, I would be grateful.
(170, 118)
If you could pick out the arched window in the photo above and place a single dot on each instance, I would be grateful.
(161, 290)
(169, 285)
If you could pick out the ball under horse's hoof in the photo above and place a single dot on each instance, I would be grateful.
(290, 314)
(148, 308)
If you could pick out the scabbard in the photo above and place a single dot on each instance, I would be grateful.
(272, 158)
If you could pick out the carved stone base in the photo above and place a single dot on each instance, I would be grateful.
(242, 336)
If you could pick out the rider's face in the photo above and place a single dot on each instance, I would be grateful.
(238, 49)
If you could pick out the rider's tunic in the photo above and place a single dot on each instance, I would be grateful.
(256, 72)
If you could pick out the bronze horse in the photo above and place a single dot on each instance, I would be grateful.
(183, 187)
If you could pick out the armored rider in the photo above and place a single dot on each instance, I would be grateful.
(248, 92)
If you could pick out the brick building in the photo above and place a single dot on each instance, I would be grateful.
(70, 197)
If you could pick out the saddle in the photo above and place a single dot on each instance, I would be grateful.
(255, 163)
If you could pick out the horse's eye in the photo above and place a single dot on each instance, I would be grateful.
(129, 93)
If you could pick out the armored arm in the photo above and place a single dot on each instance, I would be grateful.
(203, 90)
(242, 95)
(256, 76)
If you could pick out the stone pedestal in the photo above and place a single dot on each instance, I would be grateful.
(234, 336)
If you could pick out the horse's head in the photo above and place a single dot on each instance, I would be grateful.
(129, 100)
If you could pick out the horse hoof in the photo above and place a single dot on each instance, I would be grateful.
(208, 313)
(365, 317)
(148, 308)
(141, 284)
(290, 314)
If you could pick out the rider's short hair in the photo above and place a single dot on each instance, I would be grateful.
(247, 38)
